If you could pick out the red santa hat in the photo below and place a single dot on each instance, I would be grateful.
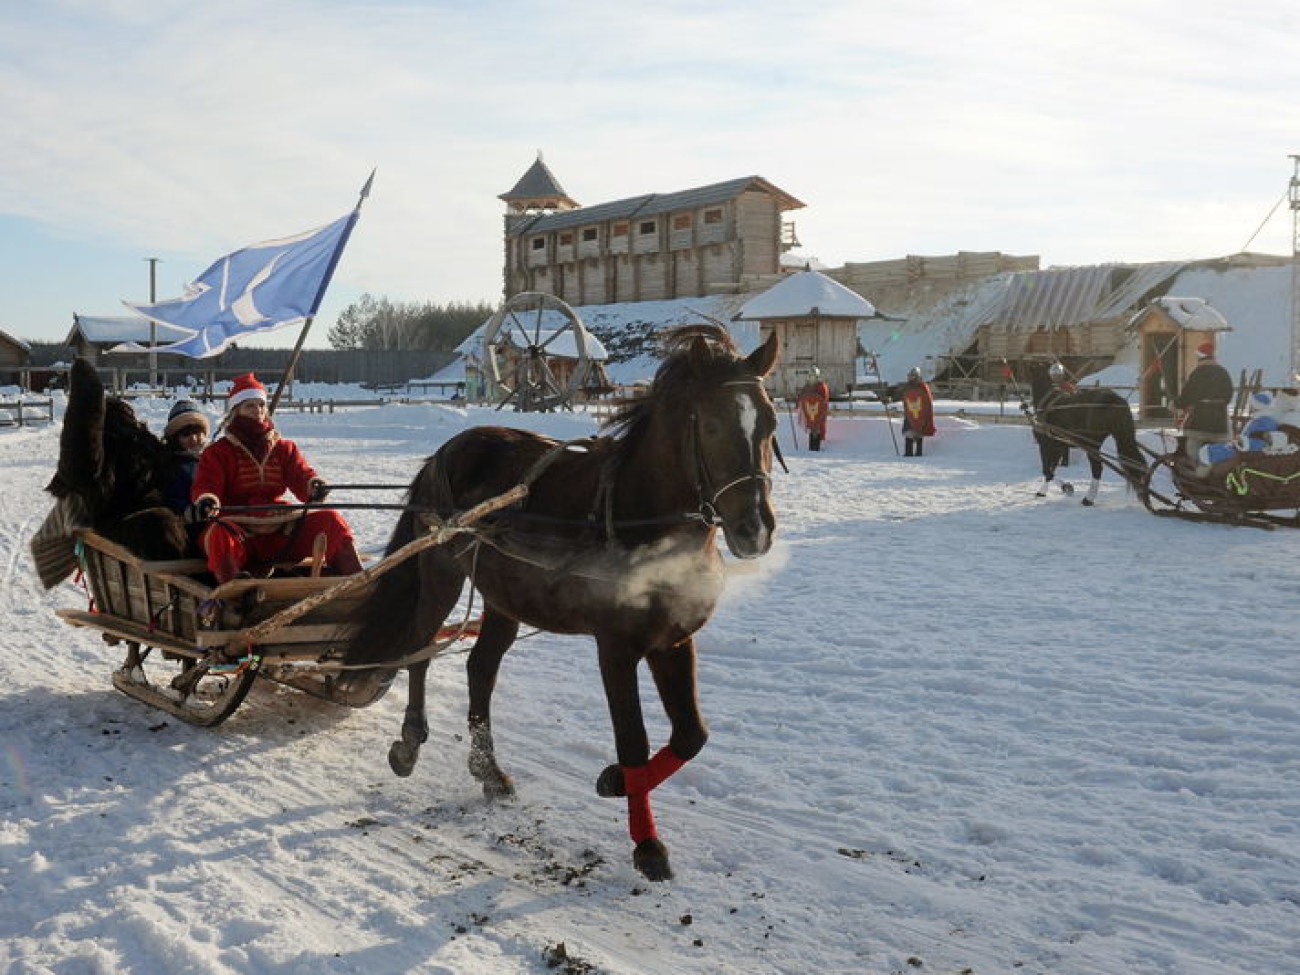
(243, 389)
(1205, 350)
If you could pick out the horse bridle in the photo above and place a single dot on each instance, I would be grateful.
(708, 510)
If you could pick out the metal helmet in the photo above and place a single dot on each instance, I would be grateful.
(1056, 372)
(914, 372)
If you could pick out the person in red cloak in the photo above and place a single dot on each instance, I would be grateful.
(918, 413)
(251, 464)
(814, 404)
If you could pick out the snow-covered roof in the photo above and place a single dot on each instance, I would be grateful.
(1250, 305)
(453, 372)
(806, 294)
(1017, 301)
(627, 331)
(1256, 304)
(1193, 313)
(102, 329)
(15, 340)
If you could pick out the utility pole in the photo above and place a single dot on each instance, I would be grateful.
(1294, 194)
(153, 326)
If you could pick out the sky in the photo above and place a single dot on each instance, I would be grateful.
(136, 129)
(955, 728)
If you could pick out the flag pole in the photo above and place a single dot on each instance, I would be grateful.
(320, 294)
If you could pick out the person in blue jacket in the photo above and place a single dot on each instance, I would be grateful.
(185, 436)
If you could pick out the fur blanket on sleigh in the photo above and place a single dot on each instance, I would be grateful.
(110, 478)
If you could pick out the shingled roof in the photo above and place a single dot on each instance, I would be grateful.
(537, 184)
(653, 204)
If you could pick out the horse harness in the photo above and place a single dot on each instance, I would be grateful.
(602, 512)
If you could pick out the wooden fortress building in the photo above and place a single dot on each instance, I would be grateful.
(724, 238)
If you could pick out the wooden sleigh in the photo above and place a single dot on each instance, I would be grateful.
(1253, 488)
(218, 640)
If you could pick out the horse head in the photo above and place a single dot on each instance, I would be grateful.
(730, 428)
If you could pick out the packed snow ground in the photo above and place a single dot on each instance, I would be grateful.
(955, 729)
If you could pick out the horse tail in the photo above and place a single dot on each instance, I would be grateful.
(398, 618)
(385, 616)
(1132, 462)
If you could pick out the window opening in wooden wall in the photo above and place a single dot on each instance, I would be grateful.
(620, 229)
(646, 227)
(713, 216)
(682, 221)
(566, 238)
(539, 243)
(588, 233)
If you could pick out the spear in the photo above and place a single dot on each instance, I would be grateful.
(884, 400)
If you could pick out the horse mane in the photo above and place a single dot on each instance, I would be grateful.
(693, 354)
(113, 464)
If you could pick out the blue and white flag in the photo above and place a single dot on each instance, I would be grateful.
(256, 289)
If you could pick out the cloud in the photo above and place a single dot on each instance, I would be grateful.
(1110, 132)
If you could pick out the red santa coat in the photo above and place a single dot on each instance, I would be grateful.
(231, 475)
(918, 409)
(814, 405)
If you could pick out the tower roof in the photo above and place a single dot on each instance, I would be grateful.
(539, 185)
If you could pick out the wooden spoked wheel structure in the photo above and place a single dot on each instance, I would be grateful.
(536, 353)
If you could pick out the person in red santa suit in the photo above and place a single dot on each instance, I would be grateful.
(814, 403)
(251, 464)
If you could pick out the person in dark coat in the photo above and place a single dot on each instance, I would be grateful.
(1204, 399)
(184, 436)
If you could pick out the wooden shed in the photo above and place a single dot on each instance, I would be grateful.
(15, 354)
(1168, 331)
(816, 319)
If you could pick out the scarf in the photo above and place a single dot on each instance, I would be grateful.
(254, 434)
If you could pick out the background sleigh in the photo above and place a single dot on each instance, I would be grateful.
(1260, 488)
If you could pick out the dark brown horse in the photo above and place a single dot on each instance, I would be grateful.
(1086, 418)
(616, 539)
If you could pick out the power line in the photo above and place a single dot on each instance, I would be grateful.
(1247, 244)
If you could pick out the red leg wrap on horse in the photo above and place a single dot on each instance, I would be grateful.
(640, 820)
(639, 780)
(664, 764)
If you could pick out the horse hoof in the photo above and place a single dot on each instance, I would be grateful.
(1040, 494)
(1087, 502)
(651, 858)
(502, 788)
(1067, 488)
(402, 757)
(609, 784)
